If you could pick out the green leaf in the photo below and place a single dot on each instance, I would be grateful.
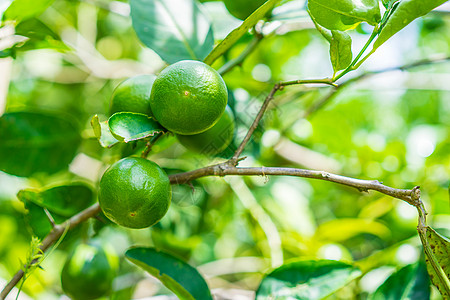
(182, 279)
(36, 142)
(65, 200)
(25, 9)
(40, 36)
(439, 272)
(405, 13)
(237, 33)
(174, 29)
(340, 47)
(344, 14)
(409, 283)
(10, 52)
(307, 279)
(102, 132)
(128, 126)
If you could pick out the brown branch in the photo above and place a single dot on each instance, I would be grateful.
(262, 110)
(254, 124)
(226, 169)
(51, 238)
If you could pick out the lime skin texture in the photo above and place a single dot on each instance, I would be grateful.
(134, 192)
(188, 97)
(214, 140)
(133, 95)
(89, 271)
(241, 9)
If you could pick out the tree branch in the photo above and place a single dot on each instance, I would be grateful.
(262, 110)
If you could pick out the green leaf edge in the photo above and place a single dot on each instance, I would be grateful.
(97, 127)
(149, 118)
(357, 272)
(40, 191)
(433, 262)
(181, 292)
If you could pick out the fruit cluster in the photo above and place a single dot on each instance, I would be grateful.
(188, 98)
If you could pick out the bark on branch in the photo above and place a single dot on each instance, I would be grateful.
(227, 169)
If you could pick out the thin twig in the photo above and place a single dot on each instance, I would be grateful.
(278, 86)
(254, 125)
(225, 169)
(150, 143)
(327, 81)
(50, 217)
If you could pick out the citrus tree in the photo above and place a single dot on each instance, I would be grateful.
(224, 150)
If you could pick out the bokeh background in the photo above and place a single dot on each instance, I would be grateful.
(392, 126)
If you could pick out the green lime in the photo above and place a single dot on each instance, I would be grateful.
(133, 95)
(188, 97)
(89, 271)
(214, 140)
(241, 9)
(134, 192)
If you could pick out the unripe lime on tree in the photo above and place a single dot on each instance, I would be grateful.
(188, 97)
(241, 9)
(214, 140)
(89, 271)
(133, 95)
(134, 192)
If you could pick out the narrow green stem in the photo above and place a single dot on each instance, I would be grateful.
(150, 144)
(21, 286)
(363, 60)
(354, 65)
(306, 81)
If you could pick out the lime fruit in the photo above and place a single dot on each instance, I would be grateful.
(214, 140)
(188, 97)
(134, 192)
(241, 9)
(133, 95)
(89, 271)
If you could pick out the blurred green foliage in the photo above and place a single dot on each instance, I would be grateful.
(391, 127)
